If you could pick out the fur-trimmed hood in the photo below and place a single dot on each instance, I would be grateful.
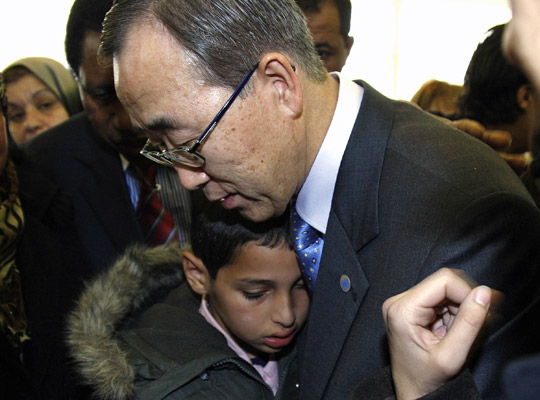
(104, 305)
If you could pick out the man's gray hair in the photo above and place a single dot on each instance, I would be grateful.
(225, 38)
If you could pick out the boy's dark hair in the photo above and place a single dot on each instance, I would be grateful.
(85, 15)
(218, 234)
(491, 84)
(344, 11)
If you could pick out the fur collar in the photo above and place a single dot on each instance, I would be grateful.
(105, 303)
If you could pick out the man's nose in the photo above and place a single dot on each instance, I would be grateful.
(192, 178)
(121, 120)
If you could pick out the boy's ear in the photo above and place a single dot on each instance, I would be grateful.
(196, 273)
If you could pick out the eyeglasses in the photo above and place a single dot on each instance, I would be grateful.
(188, 156)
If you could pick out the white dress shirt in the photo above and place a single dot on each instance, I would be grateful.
(315, 198)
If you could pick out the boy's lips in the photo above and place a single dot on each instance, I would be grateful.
(280, 340)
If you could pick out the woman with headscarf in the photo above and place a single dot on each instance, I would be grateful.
(40, 274)
(41, 94)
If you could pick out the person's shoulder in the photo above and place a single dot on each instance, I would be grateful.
(400, 116)
(521, 378)
(72, 132)
(61, 145)
(418, 141)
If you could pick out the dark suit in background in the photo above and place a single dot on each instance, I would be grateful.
(412, 196)
(52, 272)
(522, 378)
(91, 173)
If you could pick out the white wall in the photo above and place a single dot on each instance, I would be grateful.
(399, 44)
(33, 28)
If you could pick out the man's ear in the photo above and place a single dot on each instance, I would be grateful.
(348, 44)
(280, 77)
(524, 94)
(196, 273)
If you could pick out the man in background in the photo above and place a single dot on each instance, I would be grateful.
(119, 197)
(329, 22)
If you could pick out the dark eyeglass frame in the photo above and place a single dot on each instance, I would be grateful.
(188, 156)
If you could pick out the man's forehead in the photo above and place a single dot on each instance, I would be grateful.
(325, 19)
(150, 54)
(148, 32)
(133, 68)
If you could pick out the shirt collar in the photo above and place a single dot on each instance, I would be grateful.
(315, 198)
(268, 372)
(124, 161)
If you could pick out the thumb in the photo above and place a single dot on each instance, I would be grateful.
(470, 318)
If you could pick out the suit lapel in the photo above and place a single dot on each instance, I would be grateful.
(104, 188)
(333, 309)
(352, 224)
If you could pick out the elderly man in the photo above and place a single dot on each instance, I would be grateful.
(389, 194)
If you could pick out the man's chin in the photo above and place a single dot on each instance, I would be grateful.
(256, 213)
(256, 210)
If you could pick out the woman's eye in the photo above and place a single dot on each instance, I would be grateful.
(16, 117)
(45, 105)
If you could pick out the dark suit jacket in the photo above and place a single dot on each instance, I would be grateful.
(412, 196)
(522, 378)
(91, 173)
(52, 271)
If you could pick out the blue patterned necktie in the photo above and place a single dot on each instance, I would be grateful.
(308, 245)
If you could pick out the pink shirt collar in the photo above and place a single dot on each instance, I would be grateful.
(269, 372)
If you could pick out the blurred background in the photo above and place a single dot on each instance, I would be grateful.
(399, 44)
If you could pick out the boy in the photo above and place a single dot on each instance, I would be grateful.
(233, 340)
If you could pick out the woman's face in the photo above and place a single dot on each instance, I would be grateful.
(32, 108)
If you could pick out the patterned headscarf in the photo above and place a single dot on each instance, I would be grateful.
(13, 321)
(3, 96)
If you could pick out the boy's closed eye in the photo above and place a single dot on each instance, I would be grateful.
(253, 295)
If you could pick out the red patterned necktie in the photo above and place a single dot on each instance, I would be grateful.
(157, 224)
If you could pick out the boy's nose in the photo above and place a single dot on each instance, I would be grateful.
(283, 312)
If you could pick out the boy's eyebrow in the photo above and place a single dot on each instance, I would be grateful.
(250, 281)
